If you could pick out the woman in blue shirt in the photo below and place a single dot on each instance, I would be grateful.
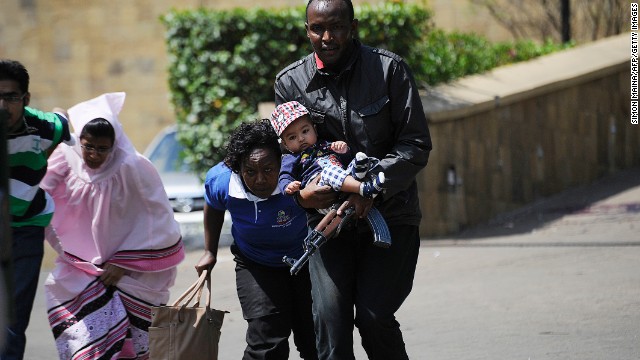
(267, 225)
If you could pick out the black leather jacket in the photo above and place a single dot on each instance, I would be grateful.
(373, 104)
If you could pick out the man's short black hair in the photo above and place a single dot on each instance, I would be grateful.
(348, 2)
(13, 70)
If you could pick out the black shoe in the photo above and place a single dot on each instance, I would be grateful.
(370, 189)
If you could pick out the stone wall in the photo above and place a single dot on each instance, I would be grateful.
(527, 131)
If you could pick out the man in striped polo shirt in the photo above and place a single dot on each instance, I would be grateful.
(31, 136)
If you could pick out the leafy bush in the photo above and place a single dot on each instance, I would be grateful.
(222, 64)
(453, 55)
(522, 50)
(450, 56)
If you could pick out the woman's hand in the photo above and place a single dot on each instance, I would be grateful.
(112, 274)
(207, 262)
(314, 196)
(61, 111)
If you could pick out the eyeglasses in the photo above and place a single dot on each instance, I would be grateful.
(93, 149)
(11, 99)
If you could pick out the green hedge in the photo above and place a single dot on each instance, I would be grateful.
(449, 56)
(222, 63)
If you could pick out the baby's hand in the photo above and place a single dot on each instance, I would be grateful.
(339, 146)
(293, 187)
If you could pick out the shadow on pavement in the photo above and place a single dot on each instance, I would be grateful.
(580, 200)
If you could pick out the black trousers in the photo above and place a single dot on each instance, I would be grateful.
(274, 304)
(27, 254)
(349, 272)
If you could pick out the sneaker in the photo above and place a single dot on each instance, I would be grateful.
(373, 187)
(360, 166)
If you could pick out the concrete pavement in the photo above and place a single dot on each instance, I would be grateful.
(559, 279)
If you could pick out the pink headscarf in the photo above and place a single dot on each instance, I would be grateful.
(121, 206)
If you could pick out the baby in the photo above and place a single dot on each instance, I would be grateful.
(310, 157)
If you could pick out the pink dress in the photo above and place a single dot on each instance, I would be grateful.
(119, 214)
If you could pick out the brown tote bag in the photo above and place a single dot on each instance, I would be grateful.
(179, 331)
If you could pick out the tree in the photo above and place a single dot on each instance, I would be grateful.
(542, 19)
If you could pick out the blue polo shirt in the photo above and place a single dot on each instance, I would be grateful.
(264, 230)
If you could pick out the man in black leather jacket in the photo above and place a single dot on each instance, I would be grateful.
(368, 98)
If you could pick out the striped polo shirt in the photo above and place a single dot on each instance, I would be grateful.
(29, 205)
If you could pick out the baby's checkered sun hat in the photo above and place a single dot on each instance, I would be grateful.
(285, 114)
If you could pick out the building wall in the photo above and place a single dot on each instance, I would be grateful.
(78, 49)
(524, 132)
(463, 16)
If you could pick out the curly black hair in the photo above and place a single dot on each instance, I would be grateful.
(248, 136)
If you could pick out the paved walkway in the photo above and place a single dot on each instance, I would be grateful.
(558, 280)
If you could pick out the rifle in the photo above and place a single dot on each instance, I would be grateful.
(330, 227)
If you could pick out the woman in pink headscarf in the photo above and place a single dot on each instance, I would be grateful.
(117, 240)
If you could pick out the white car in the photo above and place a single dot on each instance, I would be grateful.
(183, 187)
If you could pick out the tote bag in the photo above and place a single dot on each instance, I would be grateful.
(179, 331)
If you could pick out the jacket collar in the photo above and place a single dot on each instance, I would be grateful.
(238, 190)
(316, 73)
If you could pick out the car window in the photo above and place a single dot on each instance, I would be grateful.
(167, 155)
